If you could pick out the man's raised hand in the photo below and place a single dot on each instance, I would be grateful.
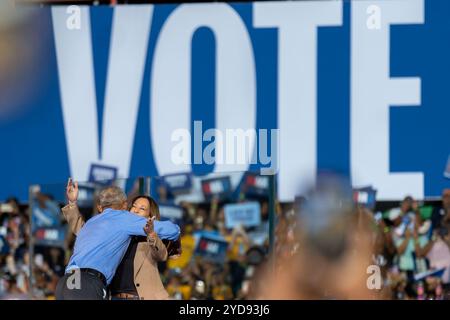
(72, 191)
(149, 230)
(149, 226)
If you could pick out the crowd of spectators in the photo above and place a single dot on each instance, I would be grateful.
(15, 229)
(412, 248)
(408, 241)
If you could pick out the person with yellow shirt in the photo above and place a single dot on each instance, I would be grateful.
(221, 290)
(239, 243)
(177, 290)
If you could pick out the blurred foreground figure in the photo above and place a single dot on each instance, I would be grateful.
(333, 254)
(24, 39)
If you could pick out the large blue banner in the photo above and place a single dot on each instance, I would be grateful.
(360, 87)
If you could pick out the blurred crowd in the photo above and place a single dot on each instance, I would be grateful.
(48, 262)
(402, 253)
(412, 248)
(194, 277)
(408, 244)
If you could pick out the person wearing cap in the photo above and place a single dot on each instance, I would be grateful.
(395, 216)
(101, 244)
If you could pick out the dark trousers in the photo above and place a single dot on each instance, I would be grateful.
(79, 285)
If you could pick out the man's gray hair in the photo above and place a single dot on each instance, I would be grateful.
(111, 196)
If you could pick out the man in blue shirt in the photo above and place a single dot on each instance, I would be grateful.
(101, 244)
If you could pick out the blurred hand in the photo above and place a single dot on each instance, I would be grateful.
(11, 264)
(186, 205)
(416, 231)
(72, 191)
(151, 237)
(382, 224)
(408, 233)
(149, 227)
(237, 230)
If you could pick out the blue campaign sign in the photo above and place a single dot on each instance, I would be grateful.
(178, 183)
(211, 248)
(4, 246)
(247, 214)
(438, 273)
(216, 187)
(171, 212)
(86, 195)
(153, 89)
(102, 175)
(52, 237)
(365, 196)
(255, 185)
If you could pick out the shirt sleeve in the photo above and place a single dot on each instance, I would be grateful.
(134, 224)
(167, 230)
(164, 229)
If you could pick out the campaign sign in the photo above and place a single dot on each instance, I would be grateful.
(438, 273)
(212, 249)
(255, 185)
(4, 247)
(247, 214)
(447, 169)
(171, 212)
(365, 196)
(178, 183)
(85, 196)
(258, 238)
(102, 175)
(50, 237)
(216, 187)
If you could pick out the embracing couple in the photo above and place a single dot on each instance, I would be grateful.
(116, 252)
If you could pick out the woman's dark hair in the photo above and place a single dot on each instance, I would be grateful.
(154, 208)
(173, 247)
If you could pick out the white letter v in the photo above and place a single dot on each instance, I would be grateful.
(129, 40)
